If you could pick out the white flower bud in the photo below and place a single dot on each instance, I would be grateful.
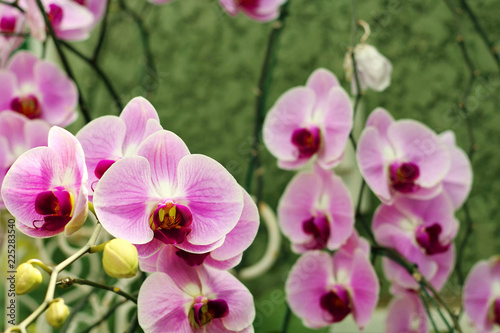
(374, 70)
(120, 259)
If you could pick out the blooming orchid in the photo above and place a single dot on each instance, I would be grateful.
(117, 137)
(482, 295)
(45, 187)
(226, 256)
(316, 211)
(17, 135)
(259, 10)
(166, 195)
(37, 89)
(401, 158)
(322, 290)
(194, 300)
(311, 122)
(423, 232)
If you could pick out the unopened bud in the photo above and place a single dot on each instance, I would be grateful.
(28, 278)
(57, 313)
(120, 259)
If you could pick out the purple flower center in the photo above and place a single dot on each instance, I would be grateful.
(192, 259)
(337, 303)
(206, 310)
(428, 239)
(56, 207)
(8, 24)
(55, 14)
(319, 228)
(403, 176)
(80, 2)
(249, 4)
(27, 105)
(102, 167)
(307, 141)
(170, 223)
(496, 311)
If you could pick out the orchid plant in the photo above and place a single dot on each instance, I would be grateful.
(182, 219)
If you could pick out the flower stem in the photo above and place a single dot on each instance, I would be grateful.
(68, 282)
(265, 80)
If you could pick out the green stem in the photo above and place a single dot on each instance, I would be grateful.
(12, 4)
(62, 56)
(106, 315)
(68, 282)
(429, 313)
(286, 320)
(263, 88)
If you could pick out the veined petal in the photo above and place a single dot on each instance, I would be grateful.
(22, 64)
(477, 294)
(213, 196)
(136, 115)
(8, 84)
(124, 199)
(321, 81)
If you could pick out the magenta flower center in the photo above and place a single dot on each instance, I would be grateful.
(428, 239)
(55, 14)
(206, 310)
(403, 176)
(102, 167)
(192, 259)
(8, 24)
(56, 206)
(248, 3)
(27, 105)
(496, 311)
(170, 223)
(337, 303)
(319, 228)
(307, 141)
(80, 2)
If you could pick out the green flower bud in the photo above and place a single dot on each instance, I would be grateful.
(57, 313)
(28, 278)
(120, 259)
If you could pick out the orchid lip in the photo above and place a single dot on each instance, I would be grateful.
(337, 303)
(27, 105)
(307, 141)
(192, 259)
(403, 176)
(206, 310)
(428, 239)
(170, 222)
(56, 207)
(319, 228)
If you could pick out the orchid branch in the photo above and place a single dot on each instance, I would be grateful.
(107, 82)
(265, 80)
(65, 63)
(49, 296)
(68, 282)
(108, 314)
(12, 4)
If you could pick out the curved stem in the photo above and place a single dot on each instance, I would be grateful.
(265, 80)
(107, 82)
(67, 68)
(68, 282)
(100, 42)
(110, 311)
(286, 320)
(49, 296)
(12, 4)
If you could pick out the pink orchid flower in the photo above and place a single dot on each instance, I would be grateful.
(227, 256)
(406, 314)
(401, 157)
(423, 232)
(71, 21)
(167, 195)
(45, 187)
(481, 296)
(258, 10)
(117, 137)
(322, 290)
(38, 89)
(18, 134)
(96, 7)
(199, 299)
(310, 123)
(11, 22)
(316, 212)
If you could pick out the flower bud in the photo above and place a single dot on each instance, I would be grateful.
(28, 278)
(374, 70)
(120, 259)
(57, 313)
